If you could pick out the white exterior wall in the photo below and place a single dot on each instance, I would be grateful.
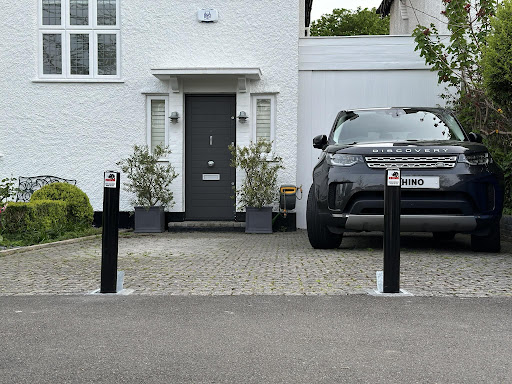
(405, 15)
(302, 18)
(350, 73)
(78, 130)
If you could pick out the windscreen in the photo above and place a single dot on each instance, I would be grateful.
(397, 124)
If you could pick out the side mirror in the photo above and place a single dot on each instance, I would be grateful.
(319, 141)
(475, 137)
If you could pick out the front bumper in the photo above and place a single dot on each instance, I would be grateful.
(469, 199)
(411, 223)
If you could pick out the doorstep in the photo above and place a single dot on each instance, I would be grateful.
(207, 226)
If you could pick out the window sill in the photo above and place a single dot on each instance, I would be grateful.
(78, 81)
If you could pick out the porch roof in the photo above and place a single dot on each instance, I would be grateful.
(168, 73)
(173, 74)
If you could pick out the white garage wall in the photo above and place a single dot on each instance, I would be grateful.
(354, 72)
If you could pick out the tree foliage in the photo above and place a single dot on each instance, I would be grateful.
(344, 22)
(497, 58)
(457, 59)
(472, 63)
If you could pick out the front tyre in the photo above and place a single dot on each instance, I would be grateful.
(319, 235)
(487, 243)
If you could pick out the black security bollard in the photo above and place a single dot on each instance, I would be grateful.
(110, 237)
(392, 231)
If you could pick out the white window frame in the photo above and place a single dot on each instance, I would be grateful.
(150, 98)
(66, 29)
(118, 51)
(272, 98)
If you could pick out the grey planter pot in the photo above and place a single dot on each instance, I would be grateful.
(258, 220)
(149, 220)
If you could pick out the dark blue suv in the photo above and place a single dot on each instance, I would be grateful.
(450, 183)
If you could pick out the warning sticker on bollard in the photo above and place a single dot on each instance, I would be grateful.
(393, 177)
(110, 179)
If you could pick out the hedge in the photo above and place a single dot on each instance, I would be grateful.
(43, 216)
(80, 212)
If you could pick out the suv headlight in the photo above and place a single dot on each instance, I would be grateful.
(482, 158)
(343, 160)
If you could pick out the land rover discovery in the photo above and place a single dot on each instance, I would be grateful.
(450, 183)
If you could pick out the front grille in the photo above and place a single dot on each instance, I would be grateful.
(415, 162)
(413, 203)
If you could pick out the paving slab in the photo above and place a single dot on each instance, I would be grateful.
(283, 263)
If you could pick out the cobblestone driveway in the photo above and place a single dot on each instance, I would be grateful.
(209, 263)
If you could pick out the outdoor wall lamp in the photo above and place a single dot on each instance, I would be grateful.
(174, 117)
(242, 116)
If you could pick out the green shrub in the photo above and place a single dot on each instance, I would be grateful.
(80, 212)
(35, 218)
(260, 166)
(148, 178)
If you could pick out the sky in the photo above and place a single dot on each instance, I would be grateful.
(321, 7)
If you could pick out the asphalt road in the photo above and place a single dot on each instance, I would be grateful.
(254, 339)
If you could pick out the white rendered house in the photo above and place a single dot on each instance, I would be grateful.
(85, 80)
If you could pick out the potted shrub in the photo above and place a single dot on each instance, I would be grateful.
(259, 189)
(149, 180)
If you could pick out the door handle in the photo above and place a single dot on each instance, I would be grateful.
(211, 140)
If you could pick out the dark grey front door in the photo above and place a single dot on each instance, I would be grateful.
(210, 127)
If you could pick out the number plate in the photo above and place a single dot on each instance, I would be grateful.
(425, 182)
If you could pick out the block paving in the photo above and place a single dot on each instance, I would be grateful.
(235, 263)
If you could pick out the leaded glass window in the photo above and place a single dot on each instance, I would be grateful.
(52, 54)
(79, 39)
(79, 12)
(107, 54)
(79, 53)
(106, 12)
(51, 12)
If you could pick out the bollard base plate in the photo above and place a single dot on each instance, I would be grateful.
(119, 287)
(402, 293)
(123, 292)
(380, 288)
